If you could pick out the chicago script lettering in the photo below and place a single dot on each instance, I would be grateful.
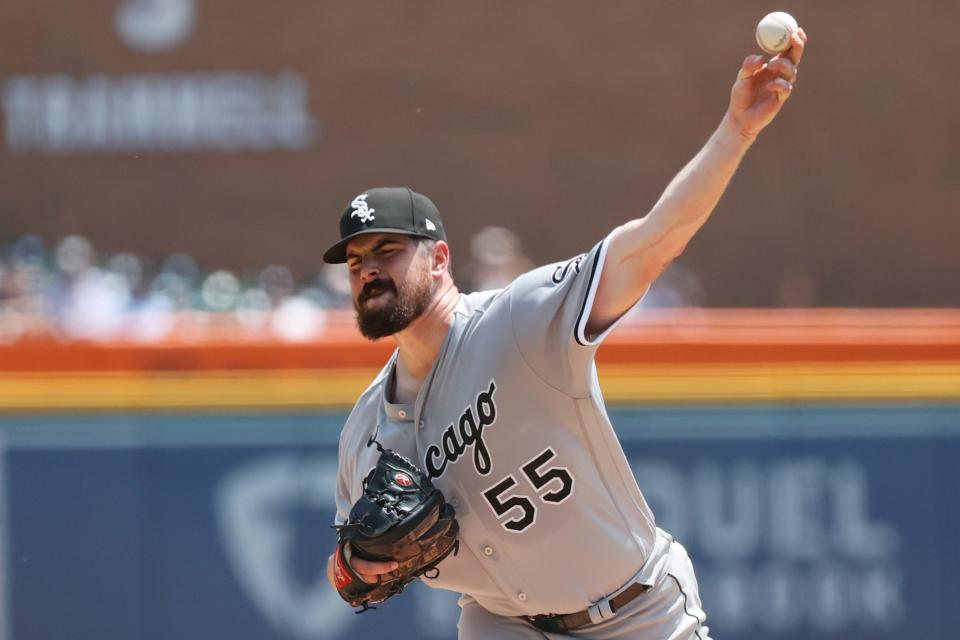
(465, 432)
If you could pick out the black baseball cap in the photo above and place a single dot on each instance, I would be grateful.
(386, 210)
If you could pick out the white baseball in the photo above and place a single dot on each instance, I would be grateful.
(775, 30)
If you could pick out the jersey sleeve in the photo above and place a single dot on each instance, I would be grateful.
(549, 310)
(353, 439)
(342, 491)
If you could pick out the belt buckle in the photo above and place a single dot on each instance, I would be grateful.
(548, 623)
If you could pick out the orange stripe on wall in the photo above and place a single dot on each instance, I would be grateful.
(690, 336)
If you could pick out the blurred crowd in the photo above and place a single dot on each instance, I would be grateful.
(70, 291)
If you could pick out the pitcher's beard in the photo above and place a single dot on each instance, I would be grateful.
(409, 301)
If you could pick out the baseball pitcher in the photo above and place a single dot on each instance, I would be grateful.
(482, 456)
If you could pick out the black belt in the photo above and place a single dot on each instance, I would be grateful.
(560, 623)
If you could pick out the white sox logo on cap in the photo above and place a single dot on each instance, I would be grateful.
(362, 210)
(399, 211)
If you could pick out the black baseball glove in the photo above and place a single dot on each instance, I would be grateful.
(401, 516)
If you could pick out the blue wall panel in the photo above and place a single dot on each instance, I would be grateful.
(803, 522)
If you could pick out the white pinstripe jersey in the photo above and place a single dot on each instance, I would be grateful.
(511, 425)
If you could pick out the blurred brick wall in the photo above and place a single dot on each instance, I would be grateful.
(557, 119)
